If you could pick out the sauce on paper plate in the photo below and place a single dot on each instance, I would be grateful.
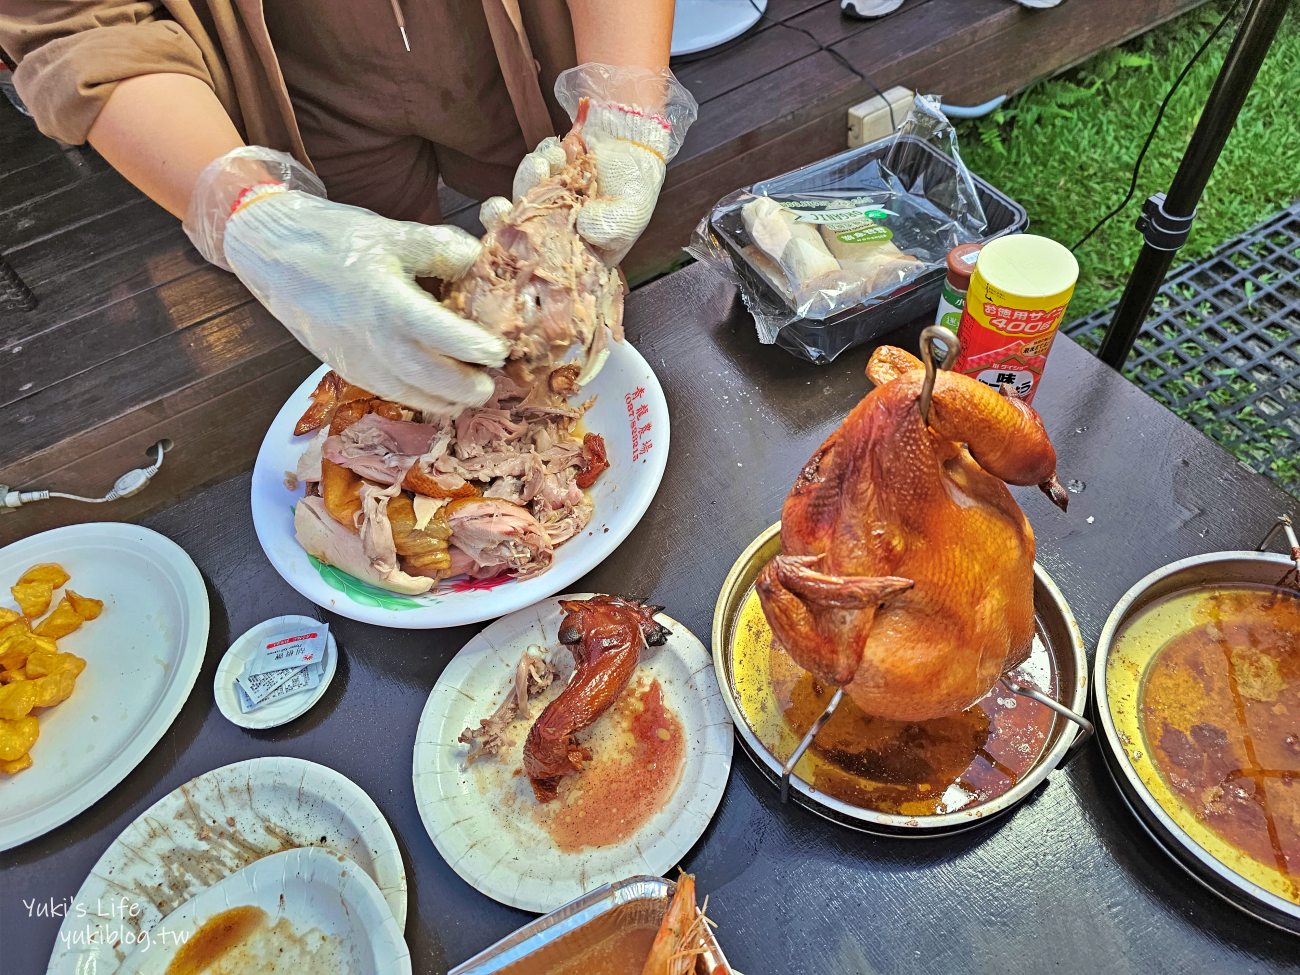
(636, 753)
(242, 940)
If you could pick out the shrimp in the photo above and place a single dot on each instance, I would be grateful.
(680, 940)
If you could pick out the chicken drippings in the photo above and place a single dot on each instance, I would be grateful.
(909, 768)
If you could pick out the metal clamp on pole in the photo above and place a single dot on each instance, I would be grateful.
(1161, 229)
(1259, 26)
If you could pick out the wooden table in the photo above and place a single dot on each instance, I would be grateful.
(136, 338)
(1066, 882)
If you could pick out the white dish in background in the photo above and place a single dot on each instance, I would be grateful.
(328, 900)
(510, 858)
(142, 655)
(277, 712)
(637, 444)
(699, 25)
(211, 827)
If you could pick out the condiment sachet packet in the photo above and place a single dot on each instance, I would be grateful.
(283, 664)
(306, 678)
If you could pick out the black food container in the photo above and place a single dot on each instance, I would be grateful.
(923, 171)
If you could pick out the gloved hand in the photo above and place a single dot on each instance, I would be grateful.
(342, 280)
(636, 123)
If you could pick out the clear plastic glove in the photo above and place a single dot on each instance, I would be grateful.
(342, 280)
(636, 123)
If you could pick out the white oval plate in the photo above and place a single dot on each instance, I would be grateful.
(213, 826)
(323, 896)
(630, 412)
(509, 857)
(142, 655)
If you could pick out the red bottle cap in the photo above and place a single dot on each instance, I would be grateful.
(961, 265)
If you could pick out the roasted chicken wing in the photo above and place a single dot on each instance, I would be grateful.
(906, 572)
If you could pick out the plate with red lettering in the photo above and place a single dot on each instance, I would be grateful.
(656, 767)
(629, 412)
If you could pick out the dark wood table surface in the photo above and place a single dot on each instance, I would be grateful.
(1067, 882)
(136, 338)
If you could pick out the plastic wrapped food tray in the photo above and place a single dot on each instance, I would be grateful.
(924, 171)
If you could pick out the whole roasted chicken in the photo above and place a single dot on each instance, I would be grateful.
(606, 635)
(906, 572)
(537, 283)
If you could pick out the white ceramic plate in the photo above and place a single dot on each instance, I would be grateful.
(328, 900)
(507, 855)
(702, 24)
(142, 655)
(630, 413)
(211, 827)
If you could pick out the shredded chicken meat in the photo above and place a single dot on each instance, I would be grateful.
(492, 492)
(533, 674)
(537, 283)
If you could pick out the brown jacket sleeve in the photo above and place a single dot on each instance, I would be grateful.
(71, 54)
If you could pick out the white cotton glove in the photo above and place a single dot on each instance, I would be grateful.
(635, 124)
(342, 280)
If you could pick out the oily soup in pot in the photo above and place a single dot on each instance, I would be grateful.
(1215, 733)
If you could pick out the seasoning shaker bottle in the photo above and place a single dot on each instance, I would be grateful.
(1018, 293)
(961, 264)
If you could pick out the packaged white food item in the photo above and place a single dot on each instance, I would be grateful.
(848, 232)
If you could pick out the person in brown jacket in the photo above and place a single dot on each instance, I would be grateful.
(301, 142)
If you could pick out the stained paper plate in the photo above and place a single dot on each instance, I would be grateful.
(630, 412)
(142, 655)
(507, 855)
(329, 902)
(214, 826)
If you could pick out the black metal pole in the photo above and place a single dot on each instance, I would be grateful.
(1167, 219)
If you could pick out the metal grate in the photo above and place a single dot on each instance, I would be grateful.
(1221, 347)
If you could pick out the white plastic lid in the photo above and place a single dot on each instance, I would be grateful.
(242, 650)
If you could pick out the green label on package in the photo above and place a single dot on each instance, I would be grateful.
(865, 235)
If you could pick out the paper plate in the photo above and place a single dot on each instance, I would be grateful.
(211, 827)
(508, 856)
(702, 24)
(142, 655)
(328, 901)
(630, 412)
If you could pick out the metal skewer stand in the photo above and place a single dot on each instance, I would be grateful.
(929, 336)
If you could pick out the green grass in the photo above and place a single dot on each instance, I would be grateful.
(1065, 147)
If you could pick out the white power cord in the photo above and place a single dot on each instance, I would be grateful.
(132, 482)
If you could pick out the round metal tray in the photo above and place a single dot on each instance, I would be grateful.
(1216, 568)
(1056, 627)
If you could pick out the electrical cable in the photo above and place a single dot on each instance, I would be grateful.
(1160, 114)
(132, 482)
(835, 56)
